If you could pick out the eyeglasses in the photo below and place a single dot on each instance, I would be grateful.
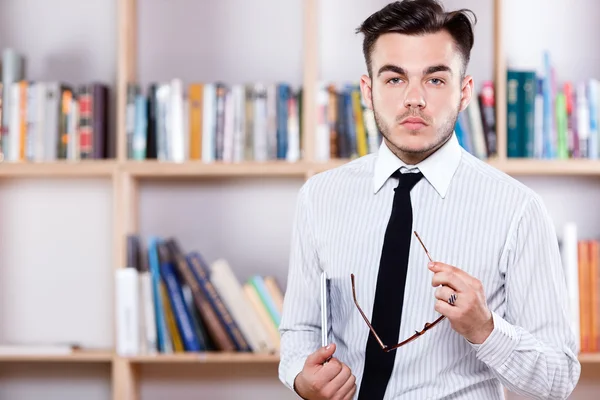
(427, 327)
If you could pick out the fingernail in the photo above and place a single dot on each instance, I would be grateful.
(431, 265)
(328, 347)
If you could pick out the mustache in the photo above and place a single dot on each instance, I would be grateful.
(413, 114)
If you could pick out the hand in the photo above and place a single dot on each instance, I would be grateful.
(469, 315)
(320, 380)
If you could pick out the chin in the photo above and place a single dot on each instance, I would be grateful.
(413, 141)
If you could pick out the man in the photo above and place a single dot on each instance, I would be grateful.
(496, 278)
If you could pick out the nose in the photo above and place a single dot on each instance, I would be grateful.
(414, 97)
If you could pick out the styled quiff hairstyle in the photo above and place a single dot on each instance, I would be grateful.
(419, 17)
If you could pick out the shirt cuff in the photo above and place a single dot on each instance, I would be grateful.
(293, 371)
(496, 349)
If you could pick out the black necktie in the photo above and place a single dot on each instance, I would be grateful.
(389, 294)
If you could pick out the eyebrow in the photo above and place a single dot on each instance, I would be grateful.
(401, 71)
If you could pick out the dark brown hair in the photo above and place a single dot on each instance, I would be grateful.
(419, 17)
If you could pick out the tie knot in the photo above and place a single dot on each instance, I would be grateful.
(408, 180)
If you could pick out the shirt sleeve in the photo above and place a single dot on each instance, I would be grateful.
(532, 348)
(300, 327)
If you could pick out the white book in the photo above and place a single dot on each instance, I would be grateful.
(12, 71)
(39, 122)
(162, 121)
(127, 311)
(583, 119)
(272, 121)
(175, 121)
(30, 118)
(260, 123)
(51, 120)
(239, 122)
(209, 122)
(569, 252)
(149, 340)
(293, 150)
(232, 294)
(14, 128)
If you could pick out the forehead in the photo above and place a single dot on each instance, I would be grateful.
(415, 51)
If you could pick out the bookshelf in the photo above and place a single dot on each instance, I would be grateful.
(128, 179)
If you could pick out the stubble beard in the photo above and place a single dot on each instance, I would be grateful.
(443, 134)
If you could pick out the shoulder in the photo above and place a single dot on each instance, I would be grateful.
(487, 175)
(347, 176)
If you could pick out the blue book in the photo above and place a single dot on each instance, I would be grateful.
(180, 311)
(264, 295)
(199, 270)
(164, 341)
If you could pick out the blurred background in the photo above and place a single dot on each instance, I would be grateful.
(144, 138)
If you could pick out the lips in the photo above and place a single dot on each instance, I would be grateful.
(413, 123)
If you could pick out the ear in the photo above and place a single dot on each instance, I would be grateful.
(367, 93)
(466, 92)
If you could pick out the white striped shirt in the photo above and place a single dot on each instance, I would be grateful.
(469, 215)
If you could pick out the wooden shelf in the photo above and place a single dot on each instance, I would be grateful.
(72, 169)
(589, 358)
(541, 167)
(207, 357)
(159, 169)
(77, 356)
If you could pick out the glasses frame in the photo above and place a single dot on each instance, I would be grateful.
(427, 326)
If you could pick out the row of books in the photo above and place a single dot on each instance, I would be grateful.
(581, 263)
(48, 121)
(346, 128)
(551, 119)
(214, 121)
(588, 259)
(476, 125)
(171, 301)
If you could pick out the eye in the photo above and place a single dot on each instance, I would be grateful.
(394, 81)
(436, 81)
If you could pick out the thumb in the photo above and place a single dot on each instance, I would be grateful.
(321, 355)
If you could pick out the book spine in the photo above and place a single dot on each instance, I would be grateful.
(201, 273)
(141, 128)
(180, 312)
(86, 139)
(263, 292)
(164, 343)
(127, 303)
(149, 325)
(215, 328)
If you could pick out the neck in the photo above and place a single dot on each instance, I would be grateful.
(413, 158)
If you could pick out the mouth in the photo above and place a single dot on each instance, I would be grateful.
(413, 123)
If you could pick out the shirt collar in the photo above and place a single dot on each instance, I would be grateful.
(438, 168)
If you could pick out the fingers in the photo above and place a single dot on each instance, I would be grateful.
(446, 309)
(443, 293)
(320, 356)
(348, 390)
(352, 392)
(330, 370)
(450, 279)
(441, 267)
(334, 388)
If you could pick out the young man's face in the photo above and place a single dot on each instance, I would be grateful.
(416, 91)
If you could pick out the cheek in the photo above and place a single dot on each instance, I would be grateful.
(388, 100)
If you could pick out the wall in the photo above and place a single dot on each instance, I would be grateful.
(50, 244)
